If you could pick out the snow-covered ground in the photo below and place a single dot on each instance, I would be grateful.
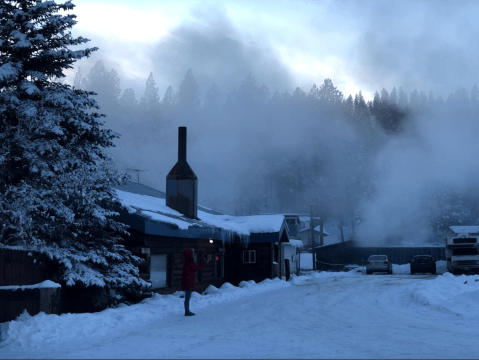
(319, 315)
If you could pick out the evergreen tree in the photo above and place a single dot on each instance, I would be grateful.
(423, 102)
(150, 101)
(376, 103)
(393, 97)
(314, 92)
(474, 97)
(251, 95)
(384, 96)
(212, 100)
(348, 108)
(56, 182)
(150, 106)
(461, 98)
(168, 104)
(431, 100)
(189, 94)
(329, 93)
(79, 81)
(128, 105)
(450, 101)
(360, 107)
(298, 97)
(414, 101)
(106, 84)
(402, 99)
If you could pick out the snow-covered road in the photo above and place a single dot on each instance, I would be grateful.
(322, 315)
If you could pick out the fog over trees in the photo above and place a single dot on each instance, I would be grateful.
(402, 166)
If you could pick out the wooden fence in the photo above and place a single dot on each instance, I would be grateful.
(19, 268)
(34, 300)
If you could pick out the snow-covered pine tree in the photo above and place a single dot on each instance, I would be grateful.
(56, 182)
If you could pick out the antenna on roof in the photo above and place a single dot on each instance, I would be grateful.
(138, 171)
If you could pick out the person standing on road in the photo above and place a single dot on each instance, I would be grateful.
(188, 277)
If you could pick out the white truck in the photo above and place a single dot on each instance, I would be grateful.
(462, 249)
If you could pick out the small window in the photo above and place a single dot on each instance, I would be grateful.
(249, 256)
(464, 251)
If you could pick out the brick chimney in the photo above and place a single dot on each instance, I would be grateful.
(182, 183)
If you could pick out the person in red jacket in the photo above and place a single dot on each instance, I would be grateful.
(188, 277)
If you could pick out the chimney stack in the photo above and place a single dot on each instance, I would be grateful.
(182, 144)
(182, 183)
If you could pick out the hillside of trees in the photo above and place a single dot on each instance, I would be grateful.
(258, 151)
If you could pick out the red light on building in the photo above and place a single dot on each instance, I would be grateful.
(217, 258)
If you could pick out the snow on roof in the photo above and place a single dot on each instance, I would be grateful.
(155, 208)
(317, 229)
(244, 224)
(137, 188)
(296, 243)
(307, 217)
(464, 229)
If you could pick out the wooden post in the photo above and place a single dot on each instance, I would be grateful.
(287, 269)
(298, 251)
(321, 228)
(342, 235)
(352, 226)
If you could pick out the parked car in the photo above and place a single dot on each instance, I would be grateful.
(423, 264)
(378, 263)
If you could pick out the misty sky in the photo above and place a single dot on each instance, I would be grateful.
(360, 45)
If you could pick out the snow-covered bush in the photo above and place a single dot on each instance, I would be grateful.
(56, 181)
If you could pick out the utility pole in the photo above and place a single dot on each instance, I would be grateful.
(342, 234)
(341, 228)
(312, 234)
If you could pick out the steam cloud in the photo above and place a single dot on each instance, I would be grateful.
(217, 53)
(414, 45)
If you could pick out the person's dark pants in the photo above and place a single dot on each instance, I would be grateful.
(187, 300)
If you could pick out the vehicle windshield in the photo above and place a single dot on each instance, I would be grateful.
(464, 251)
(422, 258)
(378, 257)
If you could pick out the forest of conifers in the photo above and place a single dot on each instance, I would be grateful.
(258, 151)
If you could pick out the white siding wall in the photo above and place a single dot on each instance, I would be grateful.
(158, 271)
(289, 252)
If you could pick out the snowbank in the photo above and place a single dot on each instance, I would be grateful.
(42, 328)
(445, 293)
(441, 268)
(456, 294)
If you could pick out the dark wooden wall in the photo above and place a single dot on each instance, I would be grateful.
(235, 270)
(173, 248)
(259, 271)
(17, 267)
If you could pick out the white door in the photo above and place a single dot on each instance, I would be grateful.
(158, 271)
